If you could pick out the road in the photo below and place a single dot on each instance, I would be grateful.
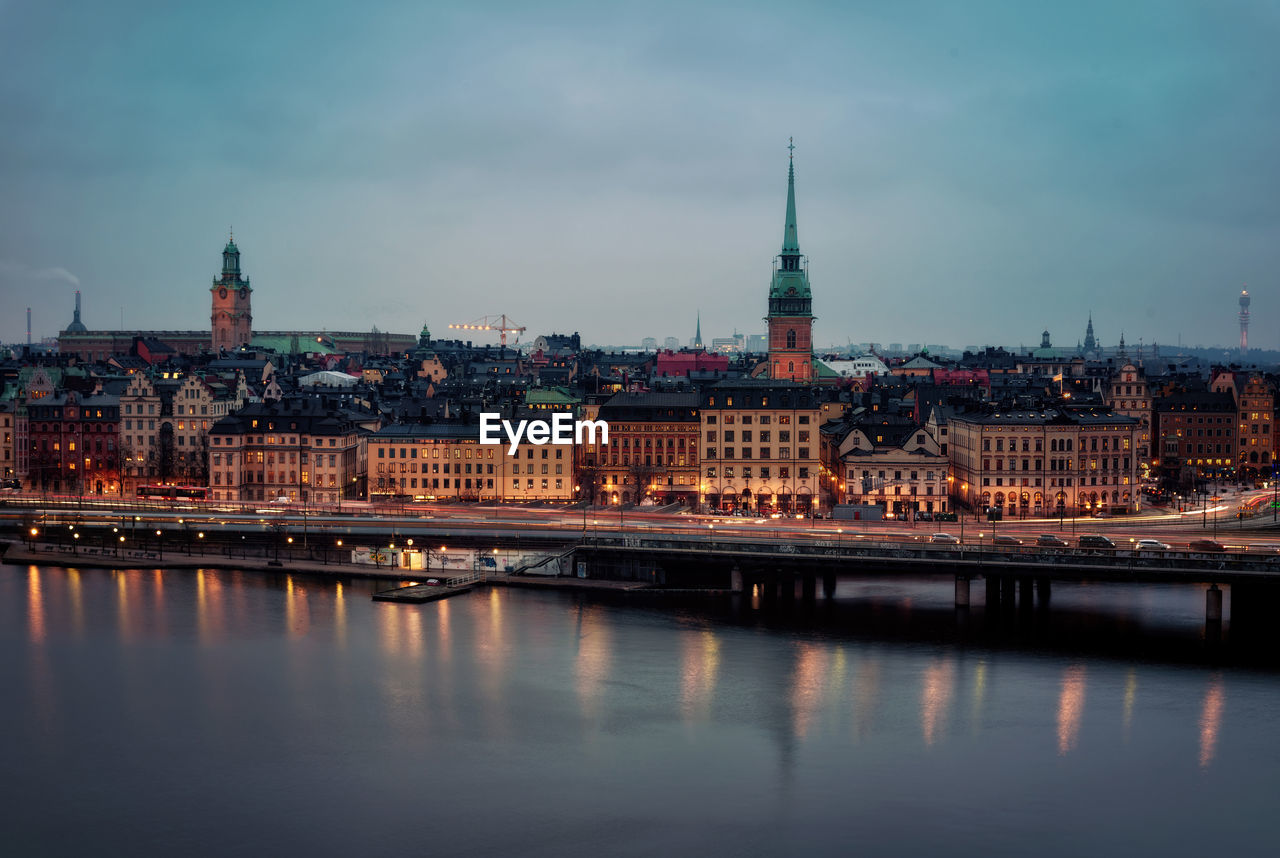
(360, 522)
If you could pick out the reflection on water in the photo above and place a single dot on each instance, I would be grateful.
(808, 681)
(285, 691)
(935, 697)
(699, 665)
(1130, 697)
(979, 693)
(592, 663)
(1211, 720)
(35, 606)
(866, 691)
(1070, 707)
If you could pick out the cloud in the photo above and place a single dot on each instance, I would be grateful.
(17, 271)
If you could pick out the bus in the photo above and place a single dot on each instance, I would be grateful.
(173, 493)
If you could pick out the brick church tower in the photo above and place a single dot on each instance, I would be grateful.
(790, 302)
(232, 318)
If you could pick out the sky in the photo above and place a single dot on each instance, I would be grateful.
(966, 173)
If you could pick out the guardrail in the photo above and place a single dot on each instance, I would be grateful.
(865, 549)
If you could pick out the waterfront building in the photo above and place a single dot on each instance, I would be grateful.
(74, 442)
(1129, 394)
(790, 318)
(1255, 410)
(8, 433)
(306, 450)
(1063, 460)
(1197, 436)
(652, 452)
(759, 446)
(891, 462)
(443, 460)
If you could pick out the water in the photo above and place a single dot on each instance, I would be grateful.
(220, 713)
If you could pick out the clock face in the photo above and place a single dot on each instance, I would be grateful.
(222, 293)
(244, 293)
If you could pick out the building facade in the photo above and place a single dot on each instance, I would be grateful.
(759, 447)
(898, 466)
(1129, 394)
(1050, 462)
(1198, 435)
(652, 454)
(303, 450)
(74, 444)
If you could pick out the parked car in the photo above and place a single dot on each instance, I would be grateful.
(944, 539)
(944, 516)
(1094, 540)
(1151, 545)
(1206, 545)
(1048, 540)
(924, 515)
(1004, 539)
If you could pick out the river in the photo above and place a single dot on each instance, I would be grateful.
(153, 712)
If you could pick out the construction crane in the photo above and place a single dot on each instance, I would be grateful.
(501, 324)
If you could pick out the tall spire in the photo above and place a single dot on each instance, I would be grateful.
(697, 334)
(790, 239)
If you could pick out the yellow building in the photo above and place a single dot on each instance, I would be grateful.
(759, 447)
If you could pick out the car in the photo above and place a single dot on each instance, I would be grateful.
(1151, 545)
(1206, 545)
(434, 582)
(1005, 539)
(944, 539)
(1094, 540)
(1048, 540)
(1102, 513)
(944, 516)
(924, 515)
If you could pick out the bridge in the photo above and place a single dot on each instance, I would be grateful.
(778, 562)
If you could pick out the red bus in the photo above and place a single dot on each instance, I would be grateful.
(173, 493)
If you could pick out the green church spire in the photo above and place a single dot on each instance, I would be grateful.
(790, 280)
(790, 240)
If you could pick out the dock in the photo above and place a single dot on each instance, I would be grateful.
(431, 590)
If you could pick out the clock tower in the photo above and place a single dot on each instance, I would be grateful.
(232, 318)
(790, 316)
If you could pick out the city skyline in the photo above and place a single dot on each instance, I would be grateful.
(972, 177)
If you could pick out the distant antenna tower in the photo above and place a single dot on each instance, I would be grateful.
(1244, 320)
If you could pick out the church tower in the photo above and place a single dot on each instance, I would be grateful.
(790, 316)
(232, 318)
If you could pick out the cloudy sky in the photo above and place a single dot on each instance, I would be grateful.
(967, 173)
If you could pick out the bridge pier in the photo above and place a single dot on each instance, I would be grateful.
(1213, 605)
(735, 580)
(1008, 592)
(962, 591)
(809, 588)
(1045, 588)
(828, 586)
(1025, 599)
(789, 586)
(993, 592)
